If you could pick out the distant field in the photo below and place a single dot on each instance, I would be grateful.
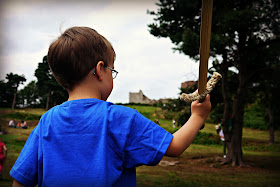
(198, 165)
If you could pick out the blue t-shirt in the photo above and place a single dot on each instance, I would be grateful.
(89, 142)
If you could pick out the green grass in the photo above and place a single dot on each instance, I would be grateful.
(35, 111)
(144, 110)
(22, 116)
(199, 165)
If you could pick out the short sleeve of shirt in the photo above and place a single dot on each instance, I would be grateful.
(25, 170)
(146, 144)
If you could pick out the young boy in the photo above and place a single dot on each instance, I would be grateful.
(87, 141)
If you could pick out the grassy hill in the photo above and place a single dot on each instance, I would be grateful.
(199, 165)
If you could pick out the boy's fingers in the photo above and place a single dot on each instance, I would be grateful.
(207, 97)
(194, 102)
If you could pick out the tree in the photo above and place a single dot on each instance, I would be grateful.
(44, 77)
(28, 96)
(14, 80)
(3, 94)
(268, 89)
(47, 85)
(240, 31)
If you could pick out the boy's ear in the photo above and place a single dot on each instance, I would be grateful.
(99, 67)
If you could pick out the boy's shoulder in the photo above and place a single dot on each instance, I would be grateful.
(124, 111)
(83, 106)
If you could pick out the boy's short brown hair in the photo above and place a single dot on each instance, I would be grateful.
(75, 53)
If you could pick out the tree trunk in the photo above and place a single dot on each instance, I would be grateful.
(271, 135)
(48, 100)
(14, 100)
(236, 154)
(271, 123)
(235, 151)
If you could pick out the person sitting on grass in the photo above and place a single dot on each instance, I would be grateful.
(23, 124)
(12, 124)
(18, 125)
(87, 141)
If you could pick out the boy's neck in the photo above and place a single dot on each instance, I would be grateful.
(83, 92)
(82, 96)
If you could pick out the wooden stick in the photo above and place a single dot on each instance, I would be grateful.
(205, 36)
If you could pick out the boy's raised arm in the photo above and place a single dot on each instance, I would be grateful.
(186, 134)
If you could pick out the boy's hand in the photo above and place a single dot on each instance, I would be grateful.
(201, 109)
(186, 134)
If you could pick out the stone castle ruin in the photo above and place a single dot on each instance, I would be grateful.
(139, 98)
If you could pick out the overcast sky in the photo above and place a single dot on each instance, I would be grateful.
(143, 61)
